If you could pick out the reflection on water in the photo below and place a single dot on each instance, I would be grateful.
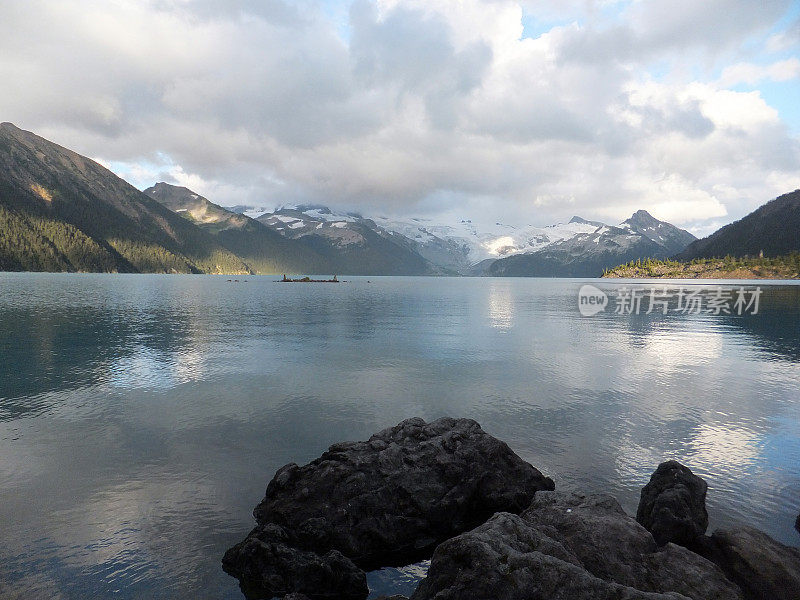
(147, 367)
(142, 416)
(501, 304)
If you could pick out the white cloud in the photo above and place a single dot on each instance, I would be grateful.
(422, 105)
(750, 73)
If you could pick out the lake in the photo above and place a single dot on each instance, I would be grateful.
(142, 416)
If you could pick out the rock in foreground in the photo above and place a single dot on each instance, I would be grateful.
(268, 566)
(764, 568)
(673, 505)
(384, 502)
(569, 547)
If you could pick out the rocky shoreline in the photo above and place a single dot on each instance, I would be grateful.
(493, 527)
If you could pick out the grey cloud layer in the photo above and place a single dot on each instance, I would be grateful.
(410, 105)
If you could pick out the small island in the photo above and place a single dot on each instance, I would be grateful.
(309, 280)
(747, 267)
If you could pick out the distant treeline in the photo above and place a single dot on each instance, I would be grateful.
(763, 267)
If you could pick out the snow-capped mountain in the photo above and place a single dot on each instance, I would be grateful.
(461, 246)
(353, 244)
(454, 246)
(249, 211)
(587, 254)
(664, 234)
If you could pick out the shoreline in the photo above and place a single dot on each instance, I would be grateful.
(777, 268)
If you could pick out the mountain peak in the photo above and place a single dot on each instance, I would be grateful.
(666, 235)
(8, 129)
(163, 186)
(642, 218)
(582, 221)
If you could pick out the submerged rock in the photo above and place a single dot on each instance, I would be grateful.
(384, 502)
(569, 547)
(673, 505)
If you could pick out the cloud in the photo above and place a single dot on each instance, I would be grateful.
(713, 25)
(751, 74)
(784, 40)
(417, 106)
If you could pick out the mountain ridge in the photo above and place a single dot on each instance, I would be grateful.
(454, 247)
(589, 254)
(262, 249)
(62, 211)
(463, 247)
(773, 228)
(352, 244)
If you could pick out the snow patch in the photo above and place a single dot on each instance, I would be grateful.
(501, 245)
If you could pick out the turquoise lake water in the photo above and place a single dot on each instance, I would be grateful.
(141, 416)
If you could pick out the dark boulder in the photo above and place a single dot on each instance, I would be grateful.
(569, 547)
(673, 505)
(267, 566)
(304, 597)
(764, 568)
(387, 501)
(797, 524)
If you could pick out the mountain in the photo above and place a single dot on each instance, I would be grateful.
(773, 228)
(462, 245)
(262, 249)
(665, 235)
(60, 211)
(458, 246)
(579, 248)
(351, 244)
(588, 254)
(577, 219)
